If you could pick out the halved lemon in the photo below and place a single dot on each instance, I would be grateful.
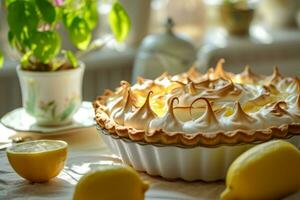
(39, 160)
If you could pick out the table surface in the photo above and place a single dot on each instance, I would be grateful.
(86, 152)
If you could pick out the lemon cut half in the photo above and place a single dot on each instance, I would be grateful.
(39, 160)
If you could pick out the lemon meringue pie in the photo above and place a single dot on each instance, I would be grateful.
(209, 109)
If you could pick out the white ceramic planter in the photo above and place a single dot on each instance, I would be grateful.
(51, 98)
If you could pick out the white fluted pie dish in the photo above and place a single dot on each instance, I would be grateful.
(175, 162)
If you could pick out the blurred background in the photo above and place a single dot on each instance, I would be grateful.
(172, 35)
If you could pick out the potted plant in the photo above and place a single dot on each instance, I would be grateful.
(51, 77)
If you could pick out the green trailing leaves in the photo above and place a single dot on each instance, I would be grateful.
(80, 33)
(80, 23)
(22, 15)
(22, 21)
(67, 17)
(33, 30)
(72, 59)
(46, 45)
(47, 10)
(1, 60)
(119, 22)
(90, 13)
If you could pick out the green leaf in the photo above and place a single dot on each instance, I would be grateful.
(11, 38)
(22, 14)
(23, 21)
(67, 17)
(25, 59)
(47, 10)
(90, 13)
(72, 59)
(1, 60)
(7, 2)
(46, 45)
(119, 22)
(80, 33)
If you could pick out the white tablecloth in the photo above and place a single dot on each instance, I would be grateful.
(86, 151)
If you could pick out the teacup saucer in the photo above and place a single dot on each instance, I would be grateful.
(20, 121)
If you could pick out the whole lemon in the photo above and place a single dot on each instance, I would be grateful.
(266, 171)
(111, 182)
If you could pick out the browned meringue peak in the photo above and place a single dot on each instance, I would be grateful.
(210, 74)
(247, 76)
(255, 104)
(202, 84)
(180, 78)
(144, 86)
(294, 109)
(227, 90)
(221, 73)
(194, 75)
(294, 86)
(124, 86)
(118, 113)
(276, 114)
(275, 77)
(168, 122)
(298, 101)
(117, 100)
(190, 88)
(279, 109)
(239, 119)
(163, 80)
(207, 121)
(271, 88)
(141, 117)
(186, 93)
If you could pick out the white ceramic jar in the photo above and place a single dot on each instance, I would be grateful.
(164, 52)
(52, 98)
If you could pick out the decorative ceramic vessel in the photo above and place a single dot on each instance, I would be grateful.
(236, 20)
(164, 52)
(51, 98)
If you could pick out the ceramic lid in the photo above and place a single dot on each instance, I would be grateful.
(169, 44)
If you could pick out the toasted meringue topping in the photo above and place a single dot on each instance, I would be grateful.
(247, 76)
(168, 122)
(239, 119)
(211, 102)
(220, 72)
(275, 77)
(118, 114)
(298, 101)
(141, 117)
(207, 121)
